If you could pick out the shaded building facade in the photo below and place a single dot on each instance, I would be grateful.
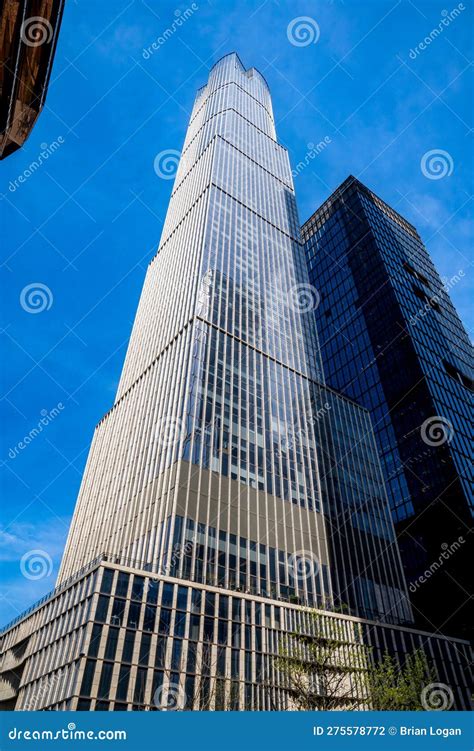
(391, 339)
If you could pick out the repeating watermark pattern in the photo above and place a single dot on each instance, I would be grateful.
(436, 430)
(180, 19)
(448, 551)
(304, 298)
(435, 300)
(303, 565)
(297, 439)
(427, 307)
(437, 697)
(47, 149)
(170, 431)
(47, 683)
(313, 151)
(436, 164)
(450, 282)
(303, 31)
(36, 564)
(179, 551)
(47, 416)
(36, 31)
(170, 698)
(36, 297)
(447, 17)
(166, 163)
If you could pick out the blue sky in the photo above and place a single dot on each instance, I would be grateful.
(88, 220)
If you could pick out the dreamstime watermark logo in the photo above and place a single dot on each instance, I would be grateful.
(303, 565)
(170, 431)
(437, 697)
(71, 733)
(36, 564)
(447, 18)
(431, 302)
(46, 684)
(47, 150)
(448, 551)
(180, 19)
(436, 164)
(170, 698)
(450, 282)
(313, 151)
(166, 163)
(36, 297)
(303, 298)
(436, 430)
(299, 439)
(170, 564)
(303, 31)
(36, 31)
(47, 416)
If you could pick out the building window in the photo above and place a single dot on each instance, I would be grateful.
(431, 301)
(140, 685)
(196, 596)
(165, 621)
(128, 646)
(149, 618)
(152, 592)
(182, 598)
(416, 274)
(208, 633)
(122, 585)
(105, 680)
(167, 595)
(122, 685)
(194, 627)
(458, 375)
(95, 640)
(133, 615)
(137, 587)
(144, 650)
(223, 606)
(111, 645)
(87, 677)
(102, 608)
(118, 610)
(107, 579)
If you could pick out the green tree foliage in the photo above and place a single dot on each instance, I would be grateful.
(324, 667)
(320, 667)
(394, 687)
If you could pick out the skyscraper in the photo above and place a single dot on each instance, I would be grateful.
(221, 386)
(392, 340)
(228, 488)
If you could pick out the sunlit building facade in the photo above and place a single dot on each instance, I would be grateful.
(228, 489)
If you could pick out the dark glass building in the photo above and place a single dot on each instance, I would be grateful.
(391, 339)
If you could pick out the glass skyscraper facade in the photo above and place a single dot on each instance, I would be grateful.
(391, 339)
(212, 444)
(228, 489)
